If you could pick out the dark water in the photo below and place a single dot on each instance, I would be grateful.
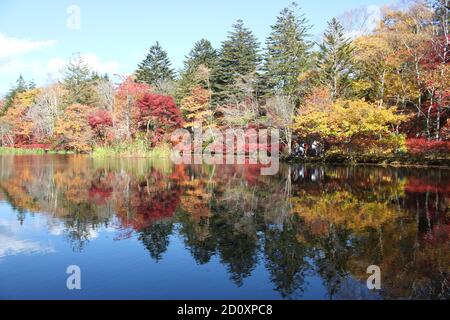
(143, 230)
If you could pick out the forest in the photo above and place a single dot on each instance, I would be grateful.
(372, 93)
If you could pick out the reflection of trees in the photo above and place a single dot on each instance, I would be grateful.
(198, 238)
(331, 222)
(156, 238)
(331, 255)
(237, 242)
(286, 258)
(372, 218)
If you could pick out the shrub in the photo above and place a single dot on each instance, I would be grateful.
(424, 147)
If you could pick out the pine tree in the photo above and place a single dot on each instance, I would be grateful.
(19, 87)
(287, 54)
(79, 82)
(334, 60)
(202, 53)
(238, 57)
(156, 68)
(198, 65)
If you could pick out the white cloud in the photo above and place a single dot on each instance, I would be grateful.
(44, 71)
(11, 244)
(12, 47)
(100, 66)
(18, 57)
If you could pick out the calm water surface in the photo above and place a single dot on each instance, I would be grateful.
(150, 230)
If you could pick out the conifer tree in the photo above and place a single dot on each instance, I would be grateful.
(155, 68)
(79, 82)
(199, 63)
(238, 57)
(335, 61)
(287, 54)
(19, 87)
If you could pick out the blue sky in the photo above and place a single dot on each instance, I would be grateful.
(115, 35)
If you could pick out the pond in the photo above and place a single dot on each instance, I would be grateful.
(143, 229)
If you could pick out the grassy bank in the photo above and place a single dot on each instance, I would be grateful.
(24, 151)
(19, 151)
(137, 149)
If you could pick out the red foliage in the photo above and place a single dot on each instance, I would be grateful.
(130, 88)
(158, 115)
(252, 144)
(100, 121)
(148, 209)
(100, 118)
(446, 130)
(417, 185)
(425, 147)
(433, 55)
(100, 195)
(439, 234)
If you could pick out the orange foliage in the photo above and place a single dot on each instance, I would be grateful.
(195, 108)
(16, 118)
(73, 131)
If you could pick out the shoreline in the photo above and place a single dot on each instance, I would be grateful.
(410, 161)
(393, 165)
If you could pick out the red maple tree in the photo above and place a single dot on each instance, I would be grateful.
(158, 115)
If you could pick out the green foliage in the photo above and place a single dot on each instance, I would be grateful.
(19, 151)
(138, 148)
(287, 54)
(19, 87)
(34, 151)
(351, 95)
(197, 69)
(238, 57)
(335, 61)
(156, 68)
(79, 82)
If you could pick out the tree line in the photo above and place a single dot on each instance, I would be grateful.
(373, 90)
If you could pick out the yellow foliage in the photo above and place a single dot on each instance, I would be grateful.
(72, 129)
(16, 116)
(342, 209)
(348, 122)
(195, 108)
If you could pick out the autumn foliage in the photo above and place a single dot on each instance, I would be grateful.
(73, 131)
(157, 116)
(195, 108)
(100, 122)
(17, 121)
(424, 147)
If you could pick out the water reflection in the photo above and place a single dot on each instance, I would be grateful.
(307, 227)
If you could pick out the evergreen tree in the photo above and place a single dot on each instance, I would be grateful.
(21, 85)
(202, 53)
(238, 57)
(287, 54)
(156, 68)
(18, 87)
(334, 60)
(31, 85)
(79, 82)
(198, 65)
